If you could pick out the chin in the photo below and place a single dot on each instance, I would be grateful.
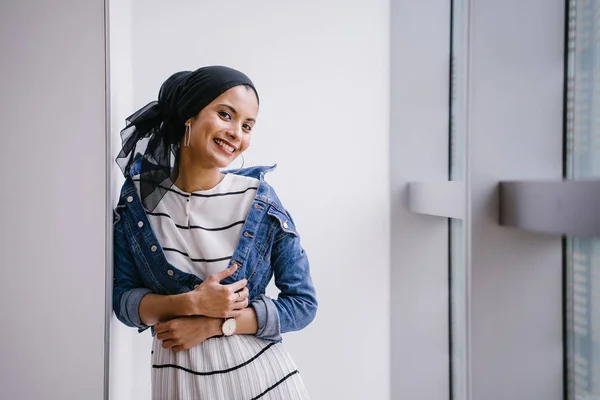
(221, 161)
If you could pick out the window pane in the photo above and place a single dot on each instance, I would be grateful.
(458, 89)
(458, 320)
(583, 161)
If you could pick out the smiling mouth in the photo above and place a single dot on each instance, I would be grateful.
(225, 146)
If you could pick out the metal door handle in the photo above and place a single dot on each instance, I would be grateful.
(557, 207)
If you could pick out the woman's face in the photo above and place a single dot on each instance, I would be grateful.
(222, 130)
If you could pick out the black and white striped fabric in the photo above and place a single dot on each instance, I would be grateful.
(199, 232)
(239, 367)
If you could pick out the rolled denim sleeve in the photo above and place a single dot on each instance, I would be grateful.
(267, 317)
(130, 305)
(128, 288)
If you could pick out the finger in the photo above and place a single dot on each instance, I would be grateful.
(167, 344)
(239, 297)
(161, 328)
(235, 286)
(240, 305)
(219, 276)
(235, 299)
(164, 335)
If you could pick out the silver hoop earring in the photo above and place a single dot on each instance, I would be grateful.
(240, 168)
(188, 134)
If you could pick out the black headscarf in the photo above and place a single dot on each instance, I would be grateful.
(154, 132)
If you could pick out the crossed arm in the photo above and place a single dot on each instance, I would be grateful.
(189, 318)
(185, 320)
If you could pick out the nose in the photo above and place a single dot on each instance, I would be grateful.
(235, 132)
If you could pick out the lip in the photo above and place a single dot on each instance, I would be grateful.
(227, 143)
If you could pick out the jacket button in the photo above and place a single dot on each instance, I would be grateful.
(153, 248)
(285, 225)
(140, 224)
(170, 272)
(129, 199)
(195, 286)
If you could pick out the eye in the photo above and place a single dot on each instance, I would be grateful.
(225, 115)
(247, 127)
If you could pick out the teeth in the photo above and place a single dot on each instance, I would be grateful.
(224, 145)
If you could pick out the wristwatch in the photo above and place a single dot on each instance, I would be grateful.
(229, 326)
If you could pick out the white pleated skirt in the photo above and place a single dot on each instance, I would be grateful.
(239, 367)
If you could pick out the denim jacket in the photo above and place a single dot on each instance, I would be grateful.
(269, 245)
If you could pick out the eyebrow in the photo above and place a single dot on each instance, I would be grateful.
(233, 110)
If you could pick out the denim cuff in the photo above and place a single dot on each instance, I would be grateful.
(267, 317)
(130, 306)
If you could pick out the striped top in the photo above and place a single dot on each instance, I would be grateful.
(199, 231)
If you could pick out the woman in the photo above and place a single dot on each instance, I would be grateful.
(195, 247)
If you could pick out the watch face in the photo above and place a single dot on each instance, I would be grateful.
(229, 327)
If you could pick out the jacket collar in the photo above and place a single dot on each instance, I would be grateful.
(257, 172)
(264, 193)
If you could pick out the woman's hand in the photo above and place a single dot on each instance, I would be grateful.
(186, 332)
(212, 299)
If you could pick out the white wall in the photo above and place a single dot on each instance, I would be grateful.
(53, 202)
(322, 71)
(123, 340)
